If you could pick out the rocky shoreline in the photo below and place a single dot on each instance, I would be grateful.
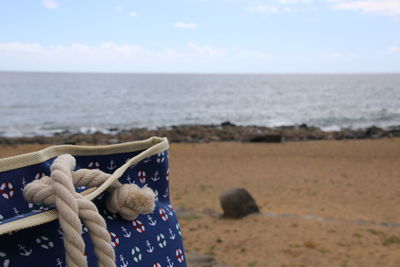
(226, 131)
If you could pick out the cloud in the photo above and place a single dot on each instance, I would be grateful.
(342, 56)
(20, 48)
(393, 49)
(111, 56)
(50, 4)
(133, 14)
(287, 6)
(108, 50)
(184, 25)
(384, 7)
(207, 50)
(262, 9)
(188, 58)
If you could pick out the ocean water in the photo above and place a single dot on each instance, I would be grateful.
(46, 103)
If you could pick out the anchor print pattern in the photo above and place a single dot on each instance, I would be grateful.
(59, 263)
(126, 233)
(150, 248)
(124, 263)
(150, 240)
(24, 251)
(171, 234)
(111, 166)
(151, 221)
(155, 177)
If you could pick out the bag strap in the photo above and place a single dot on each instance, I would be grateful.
(128, 200)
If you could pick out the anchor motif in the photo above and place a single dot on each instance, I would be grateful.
(165, 195)
(171, 234)
(16, 211)
(150, 248)
(23, 184)
(156, 177)
(129, 179)
(59, 262)
(60, 233)
(122, 259)
(127, 233)
(146, 160)
(170, 264)
(151, 222)
(24, 252)
(111, 166)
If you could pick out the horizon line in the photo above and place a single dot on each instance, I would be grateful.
(199, 73)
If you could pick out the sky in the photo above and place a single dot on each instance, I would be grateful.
(200, 36)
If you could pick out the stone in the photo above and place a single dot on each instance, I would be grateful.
(237, 203)
(373, 132)
(268, 138)
(228, 123)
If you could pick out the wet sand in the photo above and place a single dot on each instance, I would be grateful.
(357, 182)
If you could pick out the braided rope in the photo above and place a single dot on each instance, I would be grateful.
(67, 208)
(126, 199)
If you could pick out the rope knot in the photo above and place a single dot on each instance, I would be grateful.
(129, 201)
(59, 189)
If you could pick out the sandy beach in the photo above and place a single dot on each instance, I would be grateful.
(323, 203)
(348, 180)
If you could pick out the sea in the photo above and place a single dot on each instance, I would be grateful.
(42, 104)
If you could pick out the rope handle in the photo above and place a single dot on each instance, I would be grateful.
(128, 200)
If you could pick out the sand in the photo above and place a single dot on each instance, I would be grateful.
(346, 180)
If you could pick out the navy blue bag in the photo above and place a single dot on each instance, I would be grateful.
(30, 234)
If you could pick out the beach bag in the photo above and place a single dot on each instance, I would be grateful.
(89, 206)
